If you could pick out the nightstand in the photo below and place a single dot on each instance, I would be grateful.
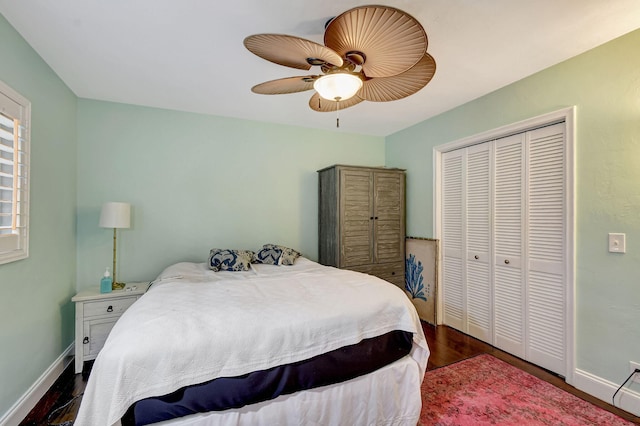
(96, 314)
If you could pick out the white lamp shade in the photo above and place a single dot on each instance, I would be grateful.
(115, 215)
(338, 86)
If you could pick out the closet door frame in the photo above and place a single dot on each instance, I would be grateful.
(568, 116)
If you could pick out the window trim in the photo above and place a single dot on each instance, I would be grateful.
(15, 247)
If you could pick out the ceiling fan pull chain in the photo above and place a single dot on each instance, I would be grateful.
(337, 112)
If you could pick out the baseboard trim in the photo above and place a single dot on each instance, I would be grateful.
(626, 399)
(25, 404)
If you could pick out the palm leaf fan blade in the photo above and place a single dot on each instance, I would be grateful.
(284, 86)
(391, 40)
(317, 103)
(385, 89)
(290, 51)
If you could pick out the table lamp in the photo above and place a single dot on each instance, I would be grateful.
(115, 215)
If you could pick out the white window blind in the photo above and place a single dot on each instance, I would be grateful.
(14, 175)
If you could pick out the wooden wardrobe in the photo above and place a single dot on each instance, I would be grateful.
(362, 220)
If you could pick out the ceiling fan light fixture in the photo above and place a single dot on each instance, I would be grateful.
(338, 86)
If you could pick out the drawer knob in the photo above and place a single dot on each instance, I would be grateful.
(110, 308)
(476, 257)
(393, 273)
(85, 340)
(506, 261)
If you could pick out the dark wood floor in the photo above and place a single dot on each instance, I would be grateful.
(446, 344)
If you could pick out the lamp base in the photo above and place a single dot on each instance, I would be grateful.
(118, 286)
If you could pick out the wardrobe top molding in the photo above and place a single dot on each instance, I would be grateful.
(364, 167)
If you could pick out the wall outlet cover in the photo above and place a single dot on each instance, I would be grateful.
(617, 243)
(632, 367)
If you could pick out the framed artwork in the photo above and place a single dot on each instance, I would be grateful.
(421, 275)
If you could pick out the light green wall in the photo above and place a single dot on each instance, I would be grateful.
(604, 84)
(36, 314)
(196, 182)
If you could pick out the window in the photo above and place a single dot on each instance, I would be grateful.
(15, 114)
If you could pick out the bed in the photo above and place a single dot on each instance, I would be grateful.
(195, 327)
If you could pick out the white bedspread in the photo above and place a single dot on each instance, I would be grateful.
(195, 325)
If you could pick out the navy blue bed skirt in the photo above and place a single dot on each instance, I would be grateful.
(234, 392)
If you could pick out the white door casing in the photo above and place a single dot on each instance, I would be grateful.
(539, 248)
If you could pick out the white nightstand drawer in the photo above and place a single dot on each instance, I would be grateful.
(108, 306)
(95, 334)
(96, 314)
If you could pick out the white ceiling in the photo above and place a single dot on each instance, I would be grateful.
(188, 54)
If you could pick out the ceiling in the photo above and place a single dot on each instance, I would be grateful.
(188, 55)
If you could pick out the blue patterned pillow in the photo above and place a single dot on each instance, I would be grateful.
(268, 256)
(229, 260)
(289, 255)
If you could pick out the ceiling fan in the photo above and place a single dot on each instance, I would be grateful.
(371, 53)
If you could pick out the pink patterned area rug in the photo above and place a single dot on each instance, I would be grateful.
(487, 391)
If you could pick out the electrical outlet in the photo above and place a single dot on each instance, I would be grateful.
(633, 366)
(617, 243)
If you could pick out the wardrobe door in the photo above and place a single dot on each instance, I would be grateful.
(509, 218)
(546, 301)
(453, 219)
(388, 216)
(356, 223)
(478, 242)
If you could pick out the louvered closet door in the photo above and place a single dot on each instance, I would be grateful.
(478, 242)
(504, 237)
(388, 221)
(452, 239)
(509, 218)
(546, 228)
(357, 206)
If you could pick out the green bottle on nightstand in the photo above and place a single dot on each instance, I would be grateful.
(105, 282)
